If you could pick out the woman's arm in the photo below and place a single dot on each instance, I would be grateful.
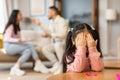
(95, 60)
(8, 35)
(78, 65)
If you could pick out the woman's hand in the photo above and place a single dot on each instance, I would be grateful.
(81, 40)
(23, 40)
(90, 41)
(36, 21)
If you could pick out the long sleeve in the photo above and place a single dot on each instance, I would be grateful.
(63, 29)
(79, 63)
(95, 60)
(8, 36)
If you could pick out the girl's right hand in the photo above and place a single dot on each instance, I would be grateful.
(81, 40)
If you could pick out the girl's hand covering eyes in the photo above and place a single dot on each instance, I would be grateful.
(81, 40)
(90, 41)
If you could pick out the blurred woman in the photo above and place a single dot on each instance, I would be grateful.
(13, 45)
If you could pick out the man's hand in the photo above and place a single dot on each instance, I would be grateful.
(36, 21)
(44, 35)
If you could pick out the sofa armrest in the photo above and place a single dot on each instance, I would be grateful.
(1, 40)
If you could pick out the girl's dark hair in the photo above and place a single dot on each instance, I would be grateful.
(70, 48)
(13, 21)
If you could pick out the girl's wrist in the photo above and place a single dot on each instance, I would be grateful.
(91, 46)
(79, 47)
(92, 49)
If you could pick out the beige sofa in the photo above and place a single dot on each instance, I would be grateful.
(39, 43)
(7, 58)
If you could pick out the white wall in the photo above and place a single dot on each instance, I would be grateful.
(103, 26)
(3, 15)
(115, 31)
(109, 43)
(24, 7)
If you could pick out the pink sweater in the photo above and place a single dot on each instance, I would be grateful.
(82, 63)
(10, 36)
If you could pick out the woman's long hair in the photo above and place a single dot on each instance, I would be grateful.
(13, 21)
(70, 48)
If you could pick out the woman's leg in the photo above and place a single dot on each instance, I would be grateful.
(13, 49)
(26, 50)
(21, 49)
(25, 55)
(34, 53)
(39, 67)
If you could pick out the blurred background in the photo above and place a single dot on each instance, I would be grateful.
(103, 15)
(93, 12)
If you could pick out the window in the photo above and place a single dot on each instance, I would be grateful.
(3, 15)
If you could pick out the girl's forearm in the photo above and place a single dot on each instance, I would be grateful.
(80, 60)
(95, 60)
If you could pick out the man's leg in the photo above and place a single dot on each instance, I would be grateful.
(49, 53)
(59, 49)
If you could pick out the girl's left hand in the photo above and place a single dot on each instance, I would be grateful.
(90, 41)
(81, 40)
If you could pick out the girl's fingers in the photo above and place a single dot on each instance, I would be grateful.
(80, 36)
(83, 37)
(90, 37)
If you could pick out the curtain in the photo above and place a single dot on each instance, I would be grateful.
(3, 15)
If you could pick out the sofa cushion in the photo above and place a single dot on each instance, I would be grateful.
(7, 58)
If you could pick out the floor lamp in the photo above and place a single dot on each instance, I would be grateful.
(110, 16)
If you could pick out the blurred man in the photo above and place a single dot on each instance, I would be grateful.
(58, 29)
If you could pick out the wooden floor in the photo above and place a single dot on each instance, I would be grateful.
(30, 75)
(107, 74)
(113, 68)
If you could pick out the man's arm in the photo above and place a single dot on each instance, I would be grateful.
(44, 28)
(63, 27)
